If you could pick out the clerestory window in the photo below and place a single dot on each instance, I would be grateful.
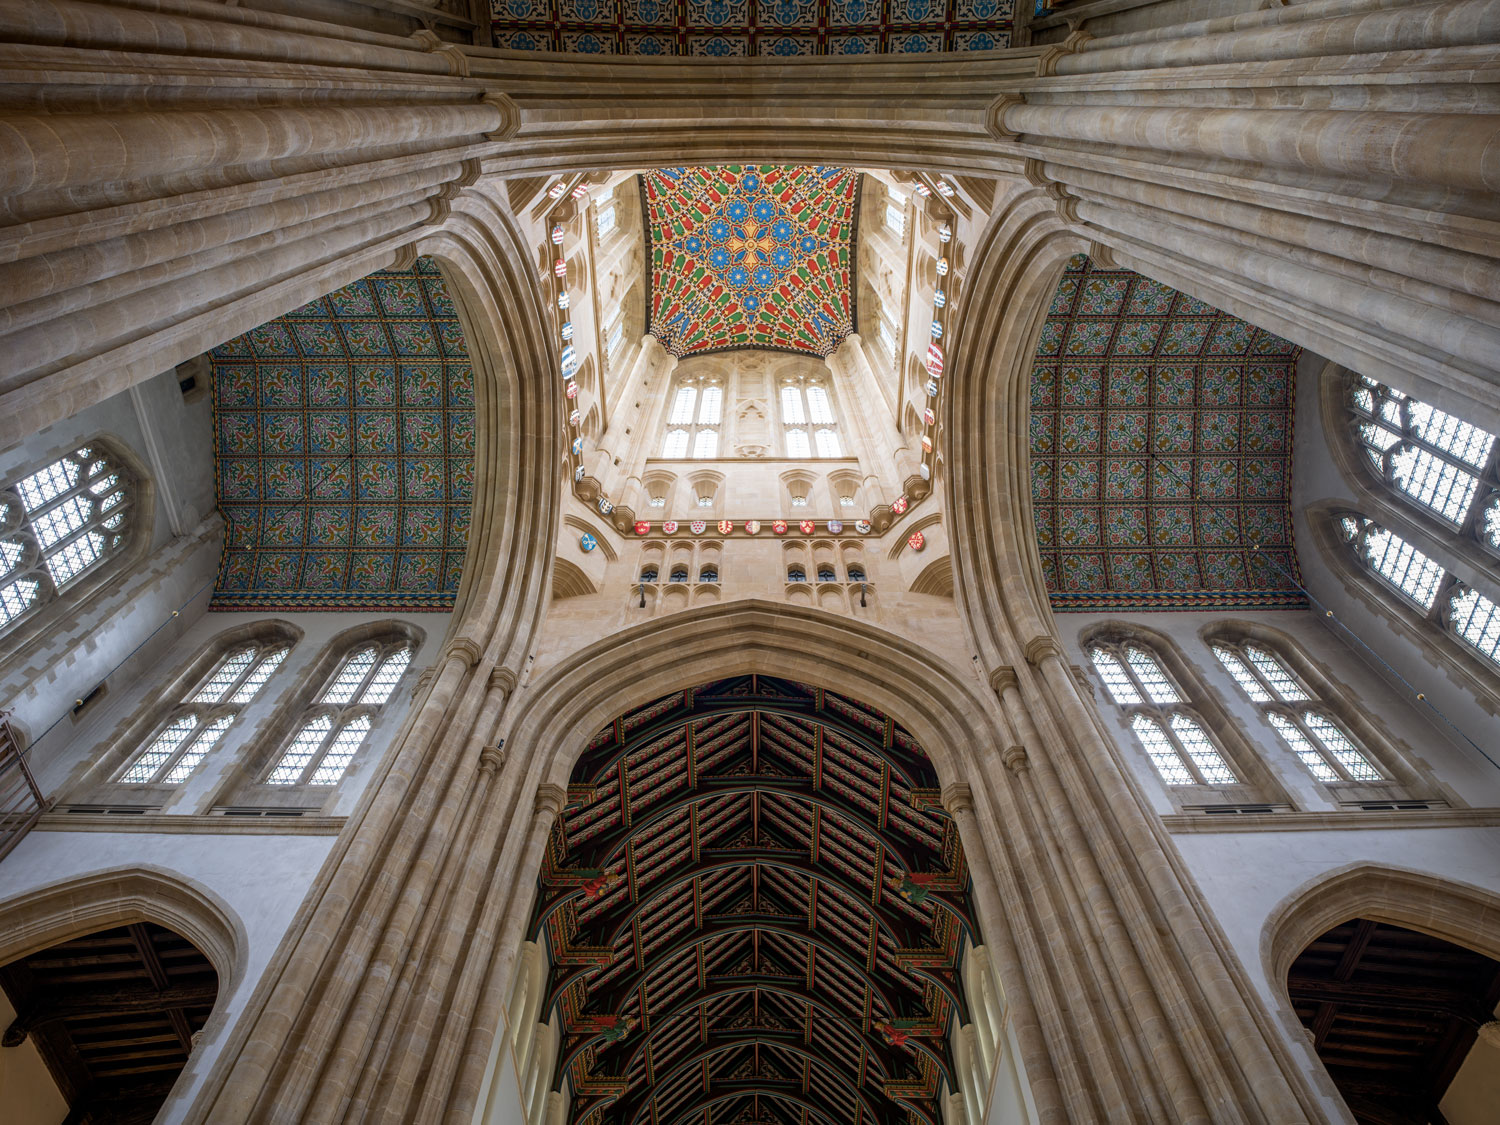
(1302, 720)
(694, 421)
(808, 420)
(336, 723)
(1161, 717)
(199, 721)
(58, 524)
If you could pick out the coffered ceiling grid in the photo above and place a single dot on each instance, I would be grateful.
(344, 451)
(728, 28)
(1161, 444)
(754, 902)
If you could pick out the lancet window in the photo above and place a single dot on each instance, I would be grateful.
(198, 723)
(335, 725)
(57, 524)
(1304, 722)
(1429, 588)
(1161, 716)
(694, 421)
(1434, 460)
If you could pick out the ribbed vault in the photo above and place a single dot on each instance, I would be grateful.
(754, 909)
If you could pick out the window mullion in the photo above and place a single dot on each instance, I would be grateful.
(1330, 759)
(1164, 719)
(336, 724)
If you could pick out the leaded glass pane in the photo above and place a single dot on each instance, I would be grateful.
(144, 768)
(350, 676)
(819, 407)
(1242, 674)
(385, 680)
(1303, 747)
(676, 444)
(791, 407)
(796, 444)
(1202, 751)
(828, 444)
(606, 219)
(706, 444)
(258, 677)
(895, 218)
(1402, 565)
(1275, 673)
(46, 485)
(1152, 678)
(682, 406)
(16, 598)
(207, 739)
(1116, 679)
(1451, 435)
(74, 557)
(224, 676)
(1489, 525)
(341, 750)
(11, 552)
(1477, 620)
(1433, 482)
(295, 759)
(711, 408)
(1162, 753)
(1338, 744)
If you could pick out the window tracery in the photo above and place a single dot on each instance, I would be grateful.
(1160, 715)
(1304, 722)
(198, 723)
(336, 723)
(59, 523)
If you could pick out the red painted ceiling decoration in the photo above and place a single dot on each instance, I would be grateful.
(754, 908)
(750, 256)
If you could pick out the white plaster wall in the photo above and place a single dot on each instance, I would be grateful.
(258, 880)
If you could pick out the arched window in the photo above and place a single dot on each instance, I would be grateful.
(804, 402)
(694, 421)
(335, 724)
(796, 574)
(57, 524)
(198, 722)
(1437, 595)
(648, 574)
(1432, 459)
(1161, 717)
(708, 574)
(827, 574)
(1304, 722)
(679, 574)
(856, 574)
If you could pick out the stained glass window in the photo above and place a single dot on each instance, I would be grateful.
(57, 524)
(1173, 736)
(1304, 723)
(335, 724)
(1430, 457)
(196, 724)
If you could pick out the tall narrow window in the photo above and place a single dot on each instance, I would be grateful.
(1172, 734)
(801, 404)
(828, 444)
(198, 722)
(791, 407)
(696, 416)
(615, 338)
(56, 525)
(887, 339)
(895, 218)
(1432, 458)
(796, 444)
(1318, 739)
(606, 221)
(335, 725)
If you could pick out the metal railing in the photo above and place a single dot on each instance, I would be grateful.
(21, 802)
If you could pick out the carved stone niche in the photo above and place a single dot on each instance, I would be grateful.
(752, 428)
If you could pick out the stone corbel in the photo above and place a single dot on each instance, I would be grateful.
(1039, 648)
(958, 798)
(456, 60)
(994, 118)
(550, 800)
(1014, 758)
(466, 649)
(1103, 256)
(426, 677)
(510, 115)
(491, 758)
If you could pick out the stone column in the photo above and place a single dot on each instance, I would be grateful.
(650, 378)
(881, 464)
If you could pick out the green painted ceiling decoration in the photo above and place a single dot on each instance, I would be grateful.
(344, 451)
(1161, 441)
(750, 256)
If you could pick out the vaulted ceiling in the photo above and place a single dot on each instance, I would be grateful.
(1161, 443)
(344, 450)
(726, 28)
(754, 903)
(750, 256)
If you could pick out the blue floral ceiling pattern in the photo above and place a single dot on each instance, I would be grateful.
(728, 28)
(344, 451)
(1161, 440)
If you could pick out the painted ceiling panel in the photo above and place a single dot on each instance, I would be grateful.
(754, 892)
(752, 256)
(344, 451)
(729, 28)
(1161, 440)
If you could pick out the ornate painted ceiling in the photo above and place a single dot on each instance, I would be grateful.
(1161, 441)
(344, 451)
(725, 28)
(752, 256)
(755, 903)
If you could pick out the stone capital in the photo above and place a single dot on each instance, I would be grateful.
(994, 118)
(466, 649)
(1039, 648)
(510, 116)
(958, 798)
(502, 679)
(1015, 758)
(1103, 256)
(1003, 679)
(456, 61)
(491, 758)
(550, 800)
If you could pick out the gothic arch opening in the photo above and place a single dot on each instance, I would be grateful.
(753, 901)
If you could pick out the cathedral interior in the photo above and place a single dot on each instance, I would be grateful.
(750, 562)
